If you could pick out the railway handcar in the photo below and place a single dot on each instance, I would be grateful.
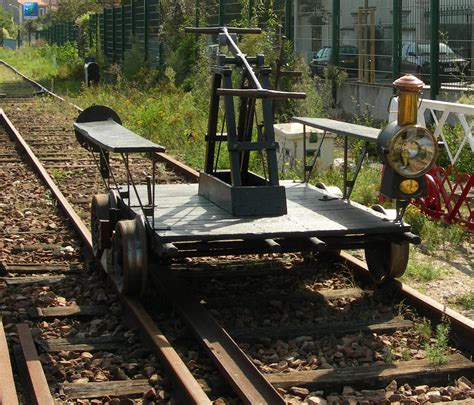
(235, 211)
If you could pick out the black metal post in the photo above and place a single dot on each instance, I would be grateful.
(289, 20)
(397, 39)
(336, 22)
(434, 62)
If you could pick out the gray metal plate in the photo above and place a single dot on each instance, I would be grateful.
(310, 213)
(113, 137)
(340, 128)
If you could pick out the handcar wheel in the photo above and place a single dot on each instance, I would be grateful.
(99, 212)
(129, 256)
(387, 260)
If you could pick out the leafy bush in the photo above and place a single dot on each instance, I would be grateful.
(454, 136)
(435, 235)
(66, 57)
(133, 61)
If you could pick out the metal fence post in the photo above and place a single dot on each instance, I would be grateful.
(336, 19)
(91, 23)
(336, 22)
(251, 6)
(288, 20)
(114, 36)
(221, 13)
(104, 34)
(132, 14)
(434, 74)
(123, 31)
(397, 38)
(145, 30)
(196, 13)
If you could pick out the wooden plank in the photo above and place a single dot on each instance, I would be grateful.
(297, 296)
(7, 386)
(377, 375)
(71, 310)
(36, 375)
(90, 344)
(101, 389)
(336, 329)
(29, 268)
(35, 280)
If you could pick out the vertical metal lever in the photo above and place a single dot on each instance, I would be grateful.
(148, 187)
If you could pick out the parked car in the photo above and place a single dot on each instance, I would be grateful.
(416, 59)
(348, 55)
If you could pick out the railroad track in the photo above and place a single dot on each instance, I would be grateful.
(306, 326)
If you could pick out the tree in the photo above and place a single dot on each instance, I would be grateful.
(316, 11)
(70, 10)
(6, 21)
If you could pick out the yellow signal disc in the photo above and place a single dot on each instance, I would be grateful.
(409, 186)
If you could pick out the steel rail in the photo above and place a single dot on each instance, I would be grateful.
(187, 385)
(8, 393)
(41, 171)
(43, 89)
(34, 369)
(461, 325)
(244, 377)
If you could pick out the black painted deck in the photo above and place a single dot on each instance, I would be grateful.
(191, 217)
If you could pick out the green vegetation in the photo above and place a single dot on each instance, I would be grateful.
(388, 356)
(7, 26)
(437, 348)
(436, 235)
(423, 272)
(466, 301)
(424, 329)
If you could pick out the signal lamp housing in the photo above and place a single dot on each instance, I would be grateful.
(408, 153)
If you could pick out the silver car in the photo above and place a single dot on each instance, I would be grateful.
(416, 59)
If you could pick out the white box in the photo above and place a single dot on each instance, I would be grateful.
(290, 146)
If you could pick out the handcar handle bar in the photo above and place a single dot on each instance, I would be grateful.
(218, 30)
(261, 93)
(258, 91)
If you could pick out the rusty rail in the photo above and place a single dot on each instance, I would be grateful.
(7, 387)
(249, 384)
(36, 377)
(187, 384)
(462, 326)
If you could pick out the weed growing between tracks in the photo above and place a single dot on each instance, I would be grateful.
(465, 301)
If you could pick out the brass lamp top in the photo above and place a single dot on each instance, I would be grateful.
(409, 83)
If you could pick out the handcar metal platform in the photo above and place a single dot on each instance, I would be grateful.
(233, 210)
(182, 215)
